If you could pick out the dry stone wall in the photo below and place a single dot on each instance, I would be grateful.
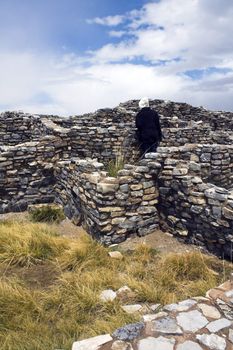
(111, 208)
(44, 159)
(196, 211)
(27, 173)
(213, 162)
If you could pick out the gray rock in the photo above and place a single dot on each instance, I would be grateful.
(152, 317)
(166, 325)
(212, 341)
(129, 332)
(181, 306)
(108, 295)
(160, 343)
(189, 345)
(230, 336)
(215, 326)
(209, 311)
(191, 321)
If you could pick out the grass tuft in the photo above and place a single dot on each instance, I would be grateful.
(46, 213)
(33, 317)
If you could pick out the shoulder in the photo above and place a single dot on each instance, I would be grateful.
(156, 115)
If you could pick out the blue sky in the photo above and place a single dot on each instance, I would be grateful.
(55, 24)
(72, 56)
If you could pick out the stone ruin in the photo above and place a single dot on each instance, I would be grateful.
(186, 188)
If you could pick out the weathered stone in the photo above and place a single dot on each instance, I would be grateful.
(160, 343)
(189, 345)
(181, 306)
(216, 326)
(209, 311)
(146, 210)
(180, 171)
(227, 213)
(118, 220)
(230, 336)
(166, 325)
(152, 317)
(129, 332)
(136, 187)
(131, 309)
(115, 255)
(124, 188)
(92, 343)
(108, 295)
(107, 187)
(191, 321)
(212, 341)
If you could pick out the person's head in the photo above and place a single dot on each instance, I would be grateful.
(144, 102)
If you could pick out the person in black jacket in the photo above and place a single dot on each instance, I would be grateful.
(148, 127)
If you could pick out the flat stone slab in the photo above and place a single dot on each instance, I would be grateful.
(160, 343)
(181, 306)
(209, 311)
(189, 345)
(216, 326)
(191, 321)
(212, 341)
(166, 325)
(230, 336)
(152, 317)
(92, 343)
(129, 332)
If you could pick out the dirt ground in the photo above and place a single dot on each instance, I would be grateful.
(162, 241)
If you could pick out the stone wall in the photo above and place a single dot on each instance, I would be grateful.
(44, 158)
(108, 132)
(198, 212)
(26, 173)
(16, 128)
(111, 208)
(195, 134)
(214, 162)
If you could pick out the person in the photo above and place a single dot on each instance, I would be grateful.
(148, 127)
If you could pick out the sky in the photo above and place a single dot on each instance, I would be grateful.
(69, 57)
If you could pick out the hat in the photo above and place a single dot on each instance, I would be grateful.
(144, 102)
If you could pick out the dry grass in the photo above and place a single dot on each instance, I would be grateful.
(70, 309)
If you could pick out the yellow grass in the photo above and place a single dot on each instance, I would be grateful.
(69, 307)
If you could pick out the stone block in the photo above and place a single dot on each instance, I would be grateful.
(227, 213)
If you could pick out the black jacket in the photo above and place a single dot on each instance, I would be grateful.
(148, 126)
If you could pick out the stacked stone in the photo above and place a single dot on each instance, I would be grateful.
(26, 173)
(184, 111)
(15, 128)
(104, 143)
(195, 134)
(111, 208)
(193, 210)
(214, 162)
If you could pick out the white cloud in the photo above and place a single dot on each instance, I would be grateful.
(117, 33)
(198, 31)
(110, 21)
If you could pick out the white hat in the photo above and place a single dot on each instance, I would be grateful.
(144, 102)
